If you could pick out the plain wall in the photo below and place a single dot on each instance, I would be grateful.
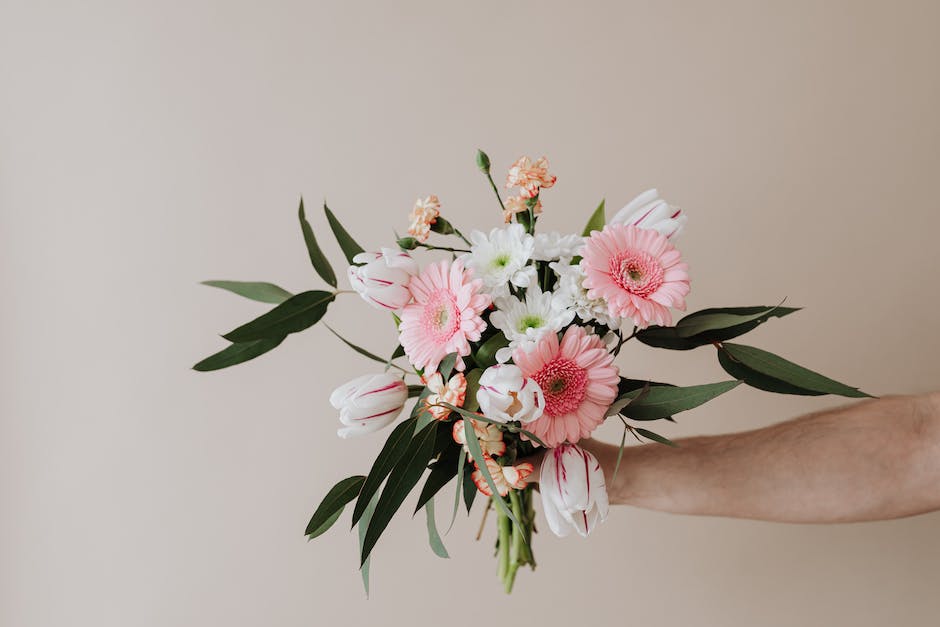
(147, 146)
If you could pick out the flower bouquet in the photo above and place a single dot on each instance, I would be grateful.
(508, 341)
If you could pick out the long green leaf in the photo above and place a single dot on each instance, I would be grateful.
(402, 479)
(623, 443)
(434, 538)
(358, 349)
(446, 367)
(294, 314)
(486, 354)
(317, 258)
(596, 221)
(392, 451)
(461, 463)
(646, 433)
(662, 401)
(481, 418)
(363, 527)
(758, 380)
(779, 368)
(474, 445)
(255, 290)
(332, 505)
(237, 354)
(473, 385)
(442, 471)
(343, 238)
(469, 487)
(720, 319)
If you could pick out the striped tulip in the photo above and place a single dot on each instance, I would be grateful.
(369, 403)
(382, 278)
(574, 494)
(649, 211)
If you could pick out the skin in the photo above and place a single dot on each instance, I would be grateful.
(873, 460)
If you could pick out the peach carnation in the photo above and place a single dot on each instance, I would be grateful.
(453, 393)
(423, 215)
(530, 177)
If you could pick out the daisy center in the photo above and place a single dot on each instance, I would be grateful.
(441, 317)
(501, 260)
(530, 321)
(637, 272)
(564, 384)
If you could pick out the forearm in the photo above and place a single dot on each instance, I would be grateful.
(873, 460)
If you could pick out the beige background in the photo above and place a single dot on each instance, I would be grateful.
(147, 146)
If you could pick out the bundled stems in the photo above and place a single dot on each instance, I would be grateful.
(514, 542)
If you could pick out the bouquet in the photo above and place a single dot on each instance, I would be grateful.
(508, 340)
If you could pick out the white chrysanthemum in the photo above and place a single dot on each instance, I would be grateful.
(524, 321)
(555, 247)
(500, 258)
(571, 294)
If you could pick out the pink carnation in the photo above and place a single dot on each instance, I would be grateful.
(637, 272)
(445, 315)
(579, 382)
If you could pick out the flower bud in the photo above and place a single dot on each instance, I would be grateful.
(407, 243)
(574, 493)
(506, 395)
(649, 211)
(369, 403)
(382, 280)
(483, 161)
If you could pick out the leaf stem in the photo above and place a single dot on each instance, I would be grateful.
(495, 191)
(447, 248)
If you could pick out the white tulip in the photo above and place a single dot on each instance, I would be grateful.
(649, 211)
(574, 494)
(506, 395)
(382, 279)
(369, 403)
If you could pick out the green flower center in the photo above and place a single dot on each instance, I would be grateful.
(530, 322)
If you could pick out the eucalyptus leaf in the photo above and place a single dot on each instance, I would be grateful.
(461, 464)
(392, 451)
(474, 445)
(332, 505)
(663, 401)
(442, 471)
(254, 290)
(446, 367)
(358, 349)
(294, 314)
(646, 433)
(401, 480)
(758, 380)
(317, 258)
(473, 385)
(434, 538)
(469, 487)
(783, 370)
(596, 221)
(363, 527)
(720, 319)
(486, 354)
(236, 354)
(343, 238)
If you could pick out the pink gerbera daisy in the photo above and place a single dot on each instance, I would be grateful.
(637, 272)
(445, 315)
(579, 382)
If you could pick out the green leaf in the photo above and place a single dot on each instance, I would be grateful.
(708, 326)
(597, 220)
(474, 445)
(623, 443)
(255, 290)
(461, 463)
(728, 318)
(662, 401)
(442, 226)
(363, 526)
(446, 367)
(332, 505)
(469, 488)
(434, 538)
(294, 314)
(402, 479)
(358, 349)
(486, 354)
(442, 471)
(508, 427)
(779, 368)
(473, 385)
(646, 433)
(317, 258)
(757, 380)
(399, 352)
(392, 451)
(237, 354)
(345, 241)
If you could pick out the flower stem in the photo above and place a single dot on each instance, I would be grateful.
(447, 248)
(495, 191)
(504, 527)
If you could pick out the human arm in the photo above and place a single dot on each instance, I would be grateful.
(873, 460)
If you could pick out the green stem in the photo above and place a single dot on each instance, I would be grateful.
(495, 191)
(503, 525)
(460, 235)
(447, 248)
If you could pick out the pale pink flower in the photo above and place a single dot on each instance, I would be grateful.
(445, 315)
(649, 211)
(517, 204)
(578, 380)
(423, 215)
(637, 272)
(453, 393)
(505, 395)
(382, 279)
(574, 493)
(369, 403)
(505, 477)
(489, 436)
(530, 177)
